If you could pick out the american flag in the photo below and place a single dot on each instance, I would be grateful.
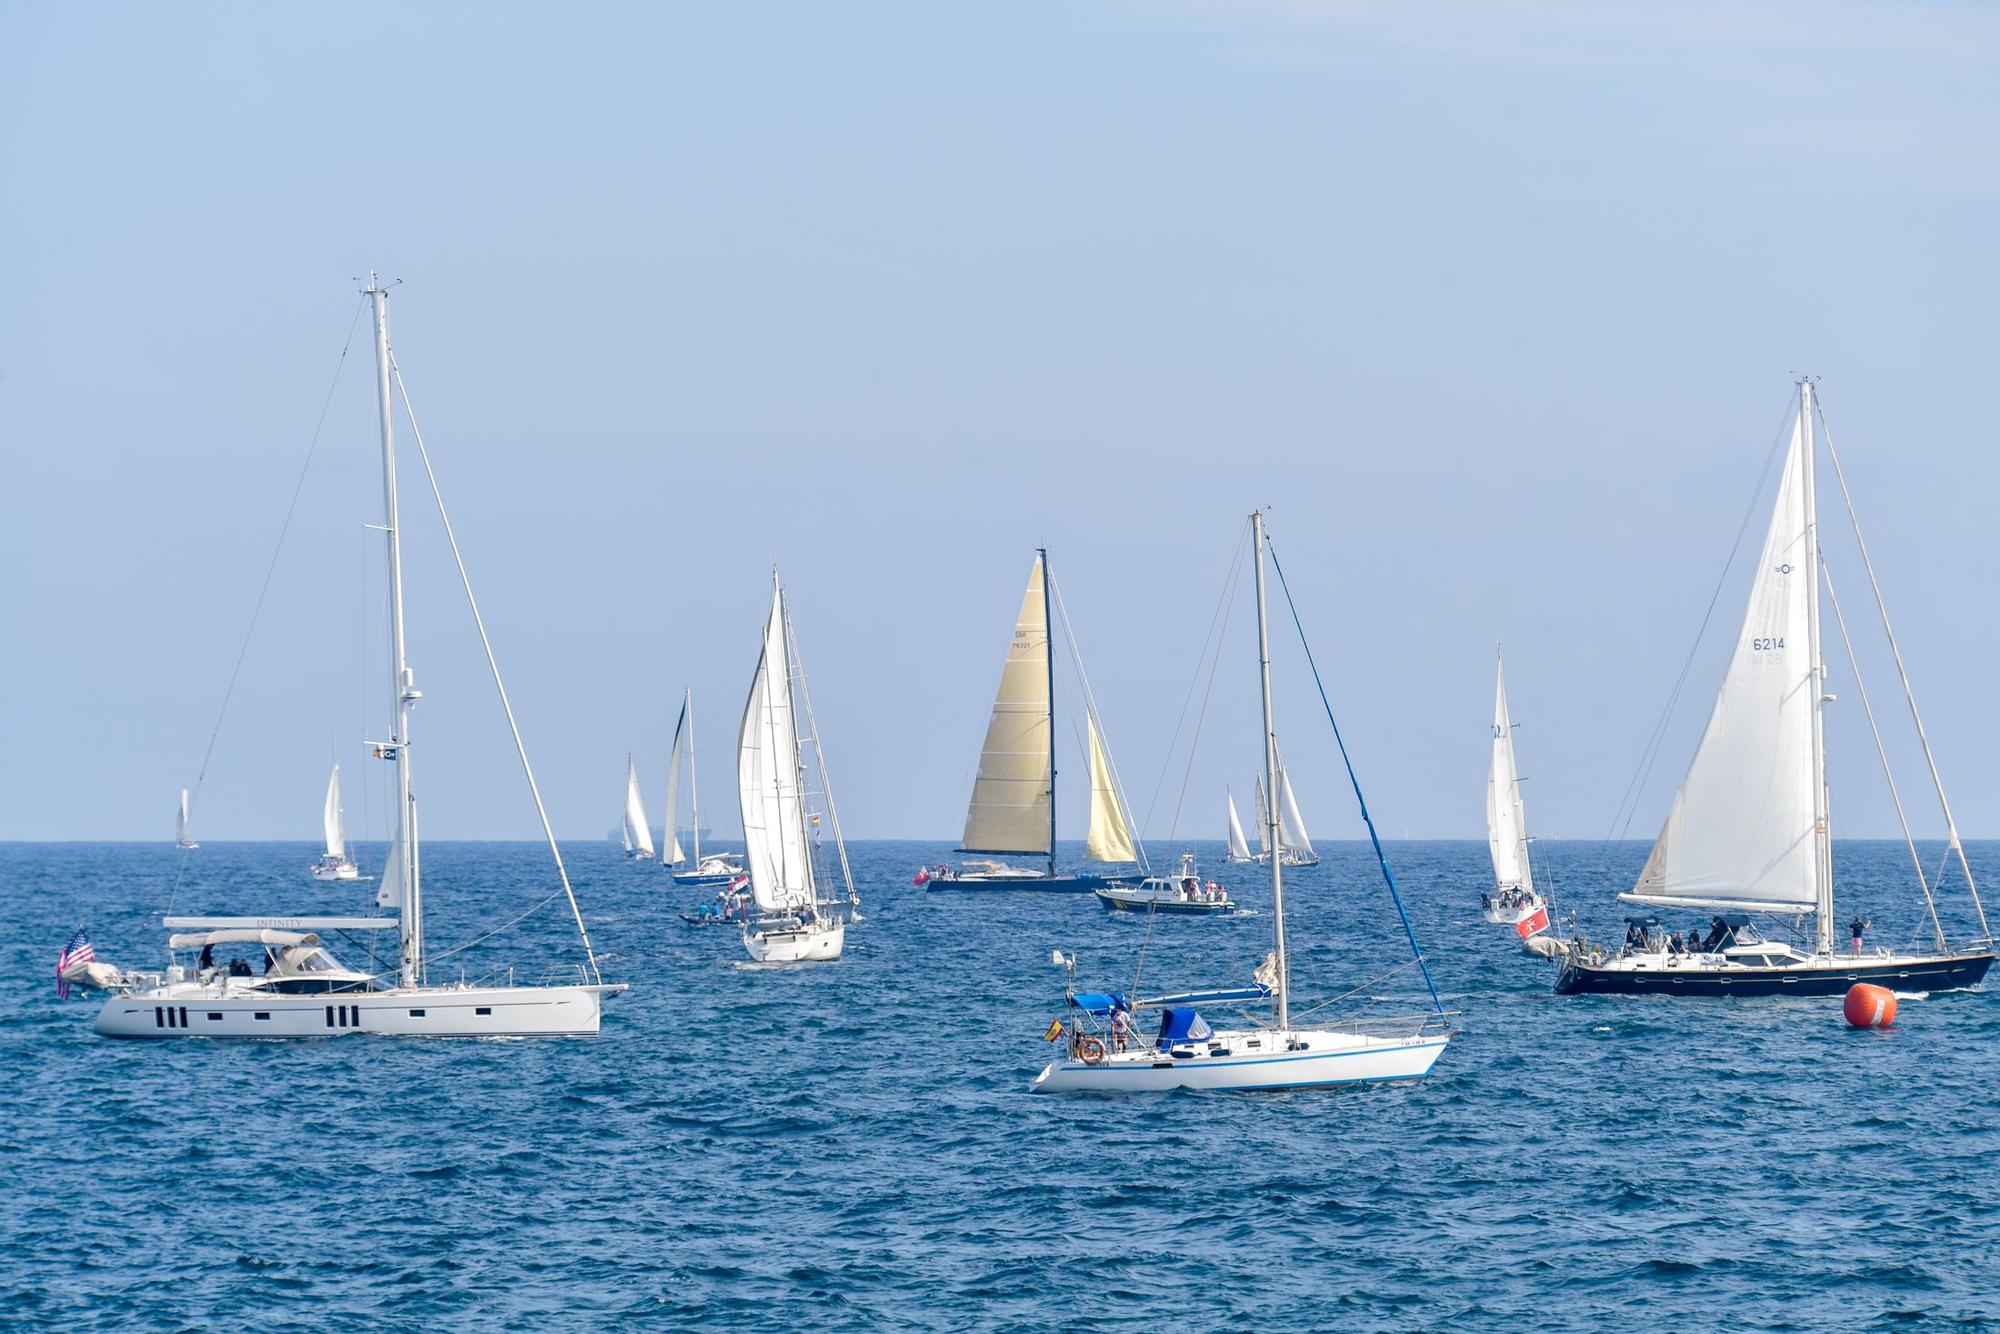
(77, 951)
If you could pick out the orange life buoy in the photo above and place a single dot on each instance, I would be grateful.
(1091, 1050)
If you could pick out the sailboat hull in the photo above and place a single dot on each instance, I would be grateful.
(795, 945)
(1820, 977)
(196, 1010)
(1046, 884)
(1308, 1058)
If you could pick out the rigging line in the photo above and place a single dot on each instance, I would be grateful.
(263, 590)
(1649, 756)
(520, 748)
(1229, 583)
(1895, 651)
(486, 936)
(1381, 858)
(1888, 775)
(1201, 718)
(819, 755)
(1090, 703)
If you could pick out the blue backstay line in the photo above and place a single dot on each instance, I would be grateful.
(1381, 859)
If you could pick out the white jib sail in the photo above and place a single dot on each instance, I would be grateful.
(1292, 825)
(1010, 797)
(1239, 847)
(638, 833)
(670, 838)
(1740, 832)
(767, 780)
(330, 818)
(1506, 821)
(389, 889)
(1110, 837)
(1263, 820)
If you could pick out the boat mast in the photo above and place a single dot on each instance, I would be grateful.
(402, 685)
(1271, 815)
(695, 787)
(1822, 843)
(1049, 661)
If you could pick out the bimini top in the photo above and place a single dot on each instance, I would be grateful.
(241, 935)
(1099, 1002)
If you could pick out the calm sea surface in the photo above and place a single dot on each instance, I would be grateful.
(852, 1146)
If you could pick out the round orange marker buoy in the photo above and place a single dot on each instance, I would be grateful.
(1870, 1006)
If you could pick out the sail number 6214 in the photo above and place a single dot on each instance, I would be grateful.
(1759, 645)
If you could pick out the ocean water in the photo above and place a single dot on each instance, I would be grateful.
(852, 1146)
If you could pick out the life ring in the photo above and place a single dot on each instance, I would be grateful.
(1091, 1050)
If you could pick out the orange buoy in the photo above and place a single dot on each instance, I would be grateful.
(1870, 1006)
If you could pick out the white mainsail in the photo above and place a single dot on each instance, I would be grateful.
(1010, 797)
(1110, 837)
(1239, 848)
(181, 825)
(767, 780)
(638, 833)
(1292, 825)
(1506, 821)
(670, 838)
(1741, 830)
(335, 825)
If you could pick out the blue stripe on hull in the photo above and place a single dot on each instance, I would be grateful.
(1938, 975)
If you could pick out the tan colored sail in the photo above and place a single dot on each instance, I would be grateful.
(1010, 797)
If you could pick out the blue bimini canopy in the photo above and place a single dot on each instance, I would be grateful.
(1099, 1002)
(1182, 1023)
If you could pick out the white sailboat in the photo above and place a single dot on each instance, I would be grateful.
(1747, 834)
(1187, 1053)
(1239, 847)
(637, 833)
(794, 921)
(1513, 899)
(1013, 808)
(181, 838)
(1294, 847)
(334, 863)
(302, 990)
(717, 868)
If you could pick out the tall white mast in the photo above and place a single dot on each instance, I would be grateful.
(694, 783)
(1822, 842)
(402, 686)
(1271, 814)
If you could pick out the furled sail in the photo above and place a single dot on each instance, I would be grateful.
(1292, 825)
(330, 818)
(1010, 797)
(1110, 836)
(1506, 821)
(1239, 848)
(767, 780)
(1740, 832)
(670, 838)
(638, 833)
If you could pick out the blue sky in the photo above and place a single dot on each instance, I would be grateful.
(1496, 306)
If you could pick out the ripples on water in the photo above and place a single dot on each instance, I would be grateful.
(852, 1146)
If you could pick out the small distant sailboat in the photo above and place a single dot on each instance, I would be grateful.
(638, 835)
(793, 921)
(718, 868)
(335, 863)
(1013, 807)
(1239, 847)
(1186, 1053)
(1294, 846)
(181, 837)
(1747, 833)
(1513, 900)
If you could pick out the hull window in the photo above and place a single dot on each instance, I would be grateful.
(214, 1015)
(484, 1009)
(263, 1014)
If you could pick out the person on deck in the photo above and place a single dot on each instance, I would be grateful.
(1121, 1027)
(1854, 929)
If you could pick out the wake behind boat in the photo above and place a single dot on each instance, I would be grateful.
(1104, 1050)
(1747, 833)
(304, 991)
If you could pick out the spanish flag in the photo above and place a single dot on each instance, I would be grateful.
(1055, 1031)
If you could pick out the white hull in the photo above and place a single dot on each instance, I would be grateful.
(346, 871)
(795, 944)
(208, 1010)
(1502, 915)
(1253, 1059)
